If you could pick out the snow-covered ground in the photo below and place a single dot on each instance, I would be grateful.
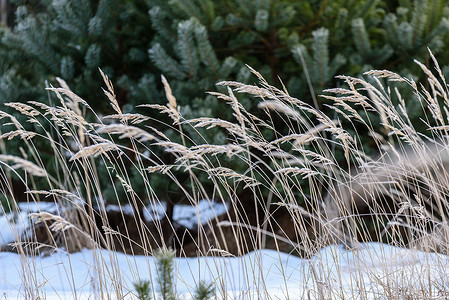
(373, 269)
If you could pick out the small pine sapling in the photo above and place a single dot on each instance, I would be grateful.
(164, 261)
(143, 289)
(204, 291)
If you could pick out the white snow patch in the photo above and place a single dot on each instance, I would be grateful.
(190, 216)
(183, 214)
(12, 225)
(126, 208)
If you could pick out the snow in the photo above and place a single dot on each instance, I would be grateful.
(333, 273)
(188, 215)
(183, 214)
(372, 267)
(13, 225)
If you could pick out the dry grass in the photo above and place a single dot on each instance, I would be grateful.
(314, 168)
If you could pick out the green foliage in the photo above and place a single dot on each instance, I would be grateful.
(165, 275)
(72, 39)
(319, 67)
(204, 291)
(196, 43)
(143, 289)
(7, 203)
